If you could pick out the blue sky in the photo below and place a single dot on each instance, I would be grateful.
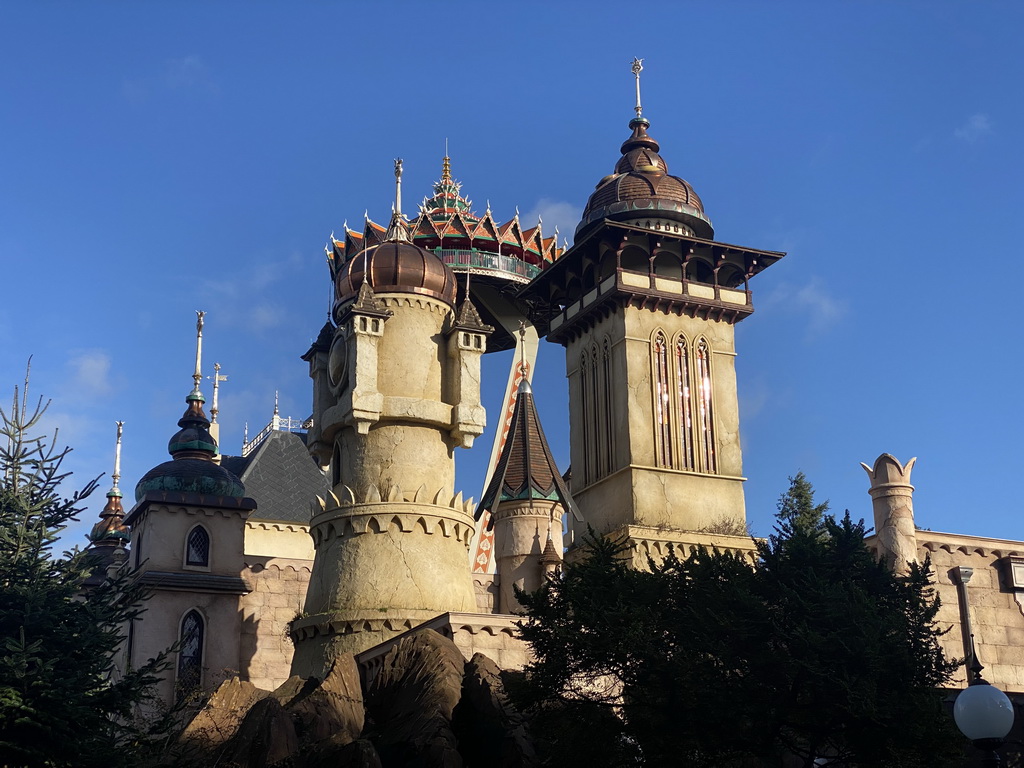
(162, 158)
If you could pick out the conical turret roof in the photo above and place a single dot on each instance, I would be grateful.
(525, 469)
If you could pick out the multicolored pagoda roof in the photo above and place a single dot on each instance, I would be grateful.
(447, 226)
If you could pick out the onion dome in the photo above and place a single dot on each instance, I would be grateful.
(642, 192)
(192, 468)
(396, 265)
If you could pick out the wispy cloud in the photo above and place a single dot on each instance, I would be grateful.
(90, 374)
(815, 302)
(554, 213)
(977, 127)
(189, 73)
(252, 299)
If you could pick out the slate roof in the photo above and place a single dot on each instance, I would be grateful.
(281, 476)
(525, 468)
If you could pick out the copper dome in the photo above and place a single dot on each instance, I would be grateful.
(397, 267)
(641, 187)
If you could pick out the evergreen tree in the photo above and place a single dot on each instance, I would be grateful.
(813, 651)
(62, 702)
(796, 506)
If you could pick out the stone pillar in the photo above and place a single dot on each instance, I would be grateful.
(521, 530)
(893, 502)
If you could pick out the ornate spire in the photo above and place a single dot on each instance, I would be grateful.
(197, 377)
(110, 531)
(638, 67)
(398, 230)
(217, 379)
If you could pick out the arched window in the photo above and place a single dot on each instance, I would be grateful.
(684, 402)
(585, 408)
(190, 657)
(594, 456)
(662, 402)
(705, 408)
(606, 387)
(197, 547)
(336, 465)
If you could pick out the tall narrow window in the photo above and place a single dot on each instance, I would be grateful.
(662, 403)
(197, 548)
(190, 657)
(609, 429)
(705, 406)
(585, 407)
(336, 465)
(596, 407)
(684, 403)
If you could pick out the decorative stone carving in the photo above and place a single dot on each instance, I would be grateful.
(893, 502)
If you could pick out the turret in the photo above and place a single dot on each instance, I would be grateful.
(396, 390)
(526, 499)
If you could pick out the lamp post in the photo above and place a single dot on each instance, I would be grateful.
(983, 714)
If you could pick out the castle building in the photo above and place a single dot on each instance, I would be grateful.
(342, 538)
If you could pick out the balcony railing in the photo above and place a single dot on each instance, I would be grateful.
(516, 269)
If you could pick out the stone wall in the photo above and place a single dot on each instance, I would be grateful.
(278, 593)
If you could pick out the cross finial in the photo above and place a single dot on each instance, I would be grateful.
(638, 67)
(217, 379)
(398, 186)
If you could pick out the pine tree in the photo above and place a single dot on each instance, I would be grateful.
(62, 701)
(796, 506)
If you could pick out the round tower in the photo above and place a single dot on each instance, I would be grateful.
(396, 390)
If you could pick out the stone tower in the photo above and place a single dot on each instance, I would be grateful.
(396, 390)
(645, 304)
(526, 499)
(892, 500)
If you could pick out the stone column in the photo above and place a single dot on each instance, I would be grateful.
(893, 502)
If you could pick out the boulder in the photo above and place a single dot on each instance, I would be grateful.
(412, 700)
(489, 729)
(265, 738)
(331, 709)
(219, 720)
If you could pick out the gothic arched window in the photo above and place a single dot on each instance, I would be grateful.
(684, 402)
(662, 402)
(190, 657)
(585, 408)
(197, 547)
(705, 408)
(609, 429)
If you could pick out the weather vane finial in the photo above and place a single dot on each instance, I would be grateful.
(397, 231)
(116, 477)
(638, 67)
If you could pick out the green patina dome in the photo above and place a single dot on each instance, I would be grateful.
(192, 470)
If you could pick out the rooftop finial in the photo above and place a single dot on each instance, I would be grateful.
(115, 491)
(217, 379)
(398, 186)
(198, 375)
(397, 231)
(638, 67)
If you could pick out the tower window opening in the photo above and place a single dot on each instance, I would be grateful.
(190, 657)
(336, 465)
(684, 402)
(606, 388)
(662, 403)
(705, 406)
(197, 547)
(585, 418)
